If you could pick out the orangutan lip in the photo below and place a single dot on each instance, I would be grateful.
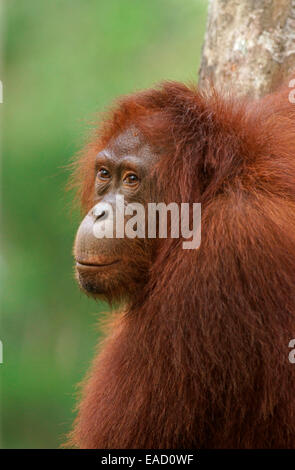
(81, 264)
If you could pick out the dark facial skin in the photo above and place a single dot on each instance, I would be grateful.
(114, 268)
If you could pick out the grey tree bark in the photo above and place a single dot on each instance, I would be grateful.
(249, 45)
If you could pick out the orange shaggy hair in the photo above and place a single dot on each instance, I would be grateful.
(199, 358)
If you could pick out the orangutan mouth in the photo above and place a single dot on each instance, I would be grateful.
(89, 265)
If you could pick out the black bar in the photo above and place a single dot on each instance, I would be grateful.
(150, 458)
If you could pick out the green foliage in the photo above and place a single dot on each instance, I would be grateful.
(62, 62)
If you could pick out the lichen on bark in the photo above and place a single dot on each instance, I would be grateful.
(249, 45)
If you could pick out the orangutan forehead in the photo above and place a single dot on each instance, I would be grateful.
(130, 141)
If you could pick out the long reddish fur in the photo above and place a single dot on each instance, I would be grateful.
(199, 358)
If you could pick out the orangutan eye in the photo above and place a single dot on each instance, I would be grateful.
(103, 174)
(131, 179)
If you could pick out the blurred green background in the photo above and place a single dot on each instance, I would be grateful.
(62, 61)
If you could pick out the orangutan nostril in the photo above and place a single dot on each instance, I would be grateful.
(99, 214)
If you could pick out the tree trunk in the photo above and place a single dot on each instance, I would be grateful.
(249, 45)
